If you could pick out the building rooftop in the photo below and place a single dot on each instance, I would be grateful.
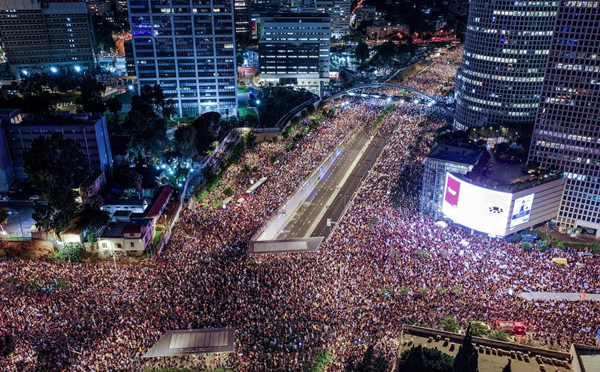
(124, 202)
(156, 207)
(113, 230)
(57, 119)
(455, 154)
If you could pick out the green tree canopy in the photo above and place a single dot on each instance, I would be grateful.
(147, 132)
(202, 126)
(361, 52)
(185, 139)
(370, 362)
(55, 165)
(3, 216)
(423, 359)
(91, 95)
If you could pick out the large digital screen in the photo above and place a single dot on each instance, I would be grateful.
(521, 210)
(476, 207)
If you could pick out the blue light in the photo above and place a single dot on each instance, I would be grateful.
(54, 69)
(77, 68)
(163, 166)
(258, 101)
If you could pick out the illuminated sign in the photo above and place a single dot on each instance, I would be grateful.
(522, 210)
(476, 207)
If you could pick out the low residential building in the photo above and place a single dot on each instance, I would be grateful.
(126, 238)
(17, 132)
(90, 187)
(131, 205)
(160, 203)
(366, 13)
(382, 29)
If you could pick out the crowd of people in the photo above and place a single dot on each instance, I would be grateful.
(384, 265)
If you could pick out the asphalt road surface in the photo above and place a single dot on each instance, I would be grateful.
(311, 217)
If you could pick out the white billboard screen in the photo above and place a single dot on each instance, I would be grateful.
(476, 207)
(521, 210)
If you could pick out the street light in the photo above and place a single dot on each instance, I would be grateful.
(77, 68)
(25, 72)
(258, 101)
(130, 87)
(54, 70)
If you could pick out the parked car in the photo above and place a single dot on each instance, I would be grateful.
(34, 198)
(5, 197)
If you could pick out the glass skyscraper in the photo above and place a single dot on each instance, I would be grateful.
(567, 128)
(188, 47)
(504, 60)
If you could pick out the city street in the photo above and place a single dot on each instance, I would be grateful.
(20, 220)
(341, 180)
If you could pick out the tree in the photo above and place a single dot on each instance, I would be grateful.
(147, 132)
(369, 363)
(55, 165)
(424, 359)
(91, 96)
(161, 103)
(250, 138)
(499, 335)
(114, 106)
(3, 216)
(202, 126)
(412, 360)
(507, 367)
(361, 52)
(467, 358)
(7, 344)
(478, 328)
(92, 220)
(185, 141)
(449, 324)
(322, 359)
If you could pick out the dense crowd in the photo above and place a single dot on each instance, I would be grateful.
(285, 308)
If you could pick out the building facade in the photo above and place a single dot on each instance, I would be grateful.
(188, 48)
(89, 131)
(294, 49)
(338, 10)
(567, 128)
(46, 35)
(504, 60)
(242, 14)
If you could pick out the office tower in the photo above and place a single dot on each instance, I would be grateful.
(567, 127)
(503, 65)
(188, 47)
(338, 11)
(129, 59)
(43, 36)
(294, 50)
(241, 17)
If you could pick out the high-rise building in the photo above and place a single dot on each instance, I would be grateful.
(567, 127)
(294, 49)
(338, 10)
(46, 35)
(504, 59)
(129, 59)
(188, 48)
(242, 15)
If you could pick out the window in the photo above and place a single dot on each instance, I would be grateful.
(132, 244)
(104, 245)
